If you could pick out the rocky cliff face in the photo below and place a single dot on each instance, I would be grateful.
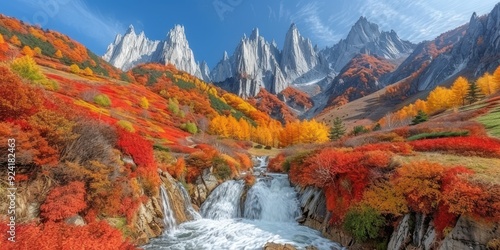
(477, 52)
(366, 38)
(253, 65)
(298, 56)
(131, 50)
(413, 231)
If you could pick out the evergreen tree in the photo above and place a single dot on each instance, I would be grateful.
(419, 118)
(338, 129)
(474, 93)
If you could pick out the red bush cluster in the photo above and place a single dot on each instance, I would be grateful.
(468, 146)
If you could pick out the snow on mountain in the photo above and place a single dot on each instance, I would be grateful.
(131, 50)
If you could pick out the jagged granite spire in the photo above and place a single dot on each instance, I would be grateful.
(131, 50)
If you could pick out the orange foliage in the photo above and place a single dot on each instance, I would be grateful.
(420, 182)
(18, 100)
(64, 201)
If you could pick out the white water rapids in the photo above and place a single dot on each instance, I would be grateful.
(268, 214)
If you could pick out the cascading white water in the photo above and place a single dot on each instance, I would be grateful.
(224, 201)
(272, 199)
(270, 210)
(168, 214)
(187, 203)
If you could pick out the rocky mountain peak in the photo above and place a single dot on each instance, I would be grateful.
(131, 50)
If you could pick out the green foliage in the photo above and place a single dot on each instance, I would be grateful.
(338, 129)
(190, 127)
(218, 104)
(438, 135)
(377, 127)
(184, 85)
(259, 146)
(363, 223)
(124, 77)
(32, 41)
(153, 77)
(173, 106)
(474, 93)
(419, 118)
(221, 170)
(490, 121)
(126, 125)
(102, 100)
(359, 130)
(222, 107)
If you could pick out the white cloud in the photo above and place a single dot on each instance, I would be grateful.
(310, 15)
(76, 14)
(419, 20)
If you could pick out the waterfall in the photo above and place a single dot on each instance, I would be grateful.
(272, 199)
(261, 166)
(224, 201)
(168, 213)
(270, 208)
(187, 203)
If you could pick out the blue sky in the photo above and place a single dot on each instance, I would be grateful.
(213, 26)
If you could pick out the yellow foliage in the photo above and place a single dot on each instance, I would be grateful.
(439, 98)
(14, 40)
(144, 102)
(1, 39)
(74, 69)
(460, 88)
(58, 54)
(38, 51)
(486, 84)
(87, 71)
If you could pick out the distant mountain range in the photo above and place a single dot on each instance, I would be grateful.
(259, 64)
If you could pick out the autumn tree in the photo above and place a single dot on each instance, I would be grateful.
(144, 102)
(486, 84)
(74, 69)
(37, 51)
(58, 54)
(439, 98)
(460, 88)
(338, 129)
(88, 72)
(27, 68)
(15, 40)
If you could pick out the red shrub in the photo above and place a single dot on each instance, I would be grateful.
(64, 201)
(468, 146)
(443, 218)
(395, 147)
(136, 146)
(51, 235)
(275, 164)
